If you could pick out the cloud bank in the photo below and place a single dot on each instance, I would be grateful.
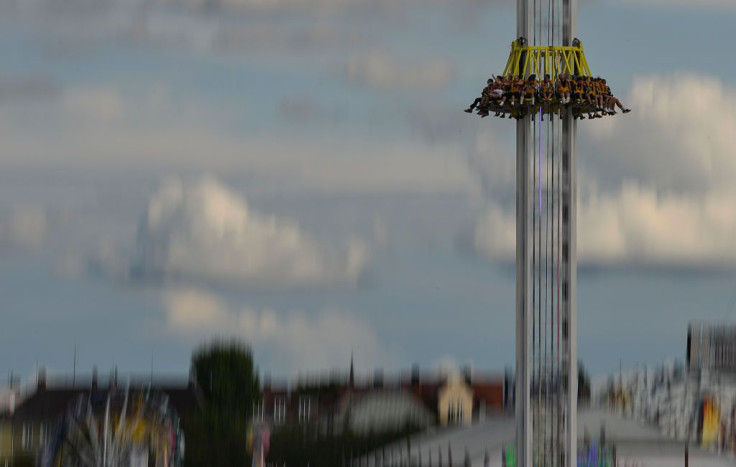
(703, 4)
(382, 71)
(204, 231)
(679, 137)
(661, 191)
(294, 341)
(25, 227)
(109, 127)
(635, 226)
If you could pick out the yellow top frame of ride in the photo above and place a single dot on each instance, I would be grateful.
(529, 60)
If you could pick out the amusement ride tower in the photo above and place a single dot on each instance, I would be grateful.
(546, 86)
(546, 330)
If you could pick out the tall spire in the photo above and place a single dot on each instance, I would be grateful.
(351, 382)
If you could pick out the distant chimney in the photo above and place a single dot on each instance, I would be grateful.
(41, 379)
(508, 388)
(688, 352)
(378, 378)
(351, 378)
(468, 374)
(14, 383)
(114, 379)
(192, 377)
(415, 375)
(267, 381)
(94, 378)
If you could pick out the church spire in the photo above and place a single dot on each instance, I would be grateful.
(351, 382)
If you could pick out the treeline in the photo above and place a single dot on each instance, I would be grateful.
(216, 436)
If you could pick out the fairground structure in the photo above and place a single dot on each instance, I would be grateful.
(546, 279)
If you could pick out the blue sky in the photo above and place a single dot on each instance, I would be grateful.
(300, 175)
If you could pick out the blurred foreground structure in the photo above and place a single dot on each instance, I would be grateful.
(711, 347)
(35, 422)
(483, 444)
(692, 402)
(335, 407)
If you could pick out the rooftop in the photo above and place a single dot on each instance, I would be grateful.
(633, 441)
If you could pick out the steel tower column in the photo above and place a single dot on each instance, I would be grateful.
(569, 250)
(524, 236)
(525, 199)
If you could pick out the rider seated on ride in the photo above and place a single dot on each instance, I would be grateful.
(497, 95)
(612, 102)
(547, 88)
(479, 100)
(497, 89)
(563, 89)
(486, 96)
(579, 89)
(504, 87)
(530, 88)
(603, 94)
(590, 90)
(493, 95)
(603, 88)
(592, 96)
(600, 92)
(517, 84)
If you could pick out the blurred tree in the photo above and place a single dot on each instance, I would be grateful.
(228, 380)
(227, 377)
(214, 440)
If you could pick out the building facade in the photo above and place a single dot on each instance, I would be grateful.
(455, 402)
(711, 347)
(381, 404)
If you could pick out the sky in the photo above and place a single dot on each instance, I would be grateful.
(300, 175)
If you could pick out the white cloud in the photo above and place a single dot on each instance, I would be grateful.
(657, 183)
(70, 266)
(725, 4)
(190, 310)
(296, 341)
(381, 70)
(105, 127)
(494, 235)
(216, 25)
(205, 231)
(305, 5)
(26, 227)
(634, 226)
(490, 161)
(680, 135)
(380, 232)
(94, 102)
(27, 87)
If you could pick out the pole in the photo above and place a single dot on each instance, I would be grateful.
(570, 280)
(569, 242)
(150, 383)
(524, 200)
(525, 231)
(523, 290)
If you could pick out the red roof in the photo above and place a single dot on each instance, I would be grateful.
(489, 392)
